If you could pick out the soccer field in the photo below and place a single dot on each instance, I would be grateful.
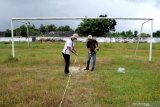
(36, 78)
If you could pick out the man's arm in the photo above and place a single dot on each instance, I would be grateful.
(96, 43)
(89, 51)
(88, 48)
(97, 47)
(72, 50)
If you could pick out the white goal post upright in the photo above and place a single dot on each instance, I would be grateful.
(12, 35)
(81, 18)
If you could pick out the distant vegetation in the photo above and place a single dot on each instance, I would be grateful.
(42, 30)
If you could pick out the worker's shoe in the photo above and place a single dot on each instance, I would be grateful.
(86, 68)
(92, 69)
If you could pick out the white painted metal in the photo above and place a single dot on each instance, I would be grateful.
(140, 36)
(12, 33)
(151, 37)
(79, 18)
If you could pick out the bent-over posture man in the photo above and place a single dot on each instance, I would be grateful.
(69, 47)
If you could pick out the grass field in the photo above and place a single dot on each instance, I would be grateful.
(37, 79)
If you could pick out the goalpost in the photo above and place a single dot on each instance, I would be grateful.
(81, 18)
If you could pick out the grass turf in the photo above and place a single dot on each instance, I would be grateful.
(36, 78)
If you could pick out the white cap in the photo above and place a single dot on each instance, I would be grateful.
(75, 36)
(90, 37)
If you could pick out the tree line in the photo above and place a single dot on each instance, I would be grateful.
(96, 27)
(42, 30)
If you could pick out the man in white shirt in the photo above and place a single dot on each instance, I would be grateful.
(69, 47)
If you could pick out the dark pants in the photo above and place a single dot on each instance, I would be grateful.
(67, 63)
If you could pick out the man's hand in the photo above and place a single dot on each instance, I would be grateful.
(90, 54)
(76, 54)
(97, 49)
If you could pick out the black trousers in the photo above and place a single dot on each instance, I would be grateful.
(67, 63)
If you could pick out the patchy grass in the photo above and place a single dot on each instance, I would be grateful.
(37, 78)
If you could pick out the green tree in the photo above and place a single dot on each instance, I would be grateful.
(123, 33)
(135, 33)
(17, 32)
(23, 29)
(51, 27)
(8, 33)
(64, 28)
(129, 33)
(33, 26)
(143, 35)
(114, 34)
(96, 27)
(42, 29)
(156, 34)
(32, 30)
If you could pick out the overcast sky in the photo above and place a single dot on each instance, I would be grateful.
(80, 8)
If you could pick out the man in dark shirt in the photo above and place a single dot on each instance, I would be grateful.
(92, 46)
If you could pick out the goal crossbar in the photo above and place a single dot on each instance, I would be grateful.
(81, 18)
